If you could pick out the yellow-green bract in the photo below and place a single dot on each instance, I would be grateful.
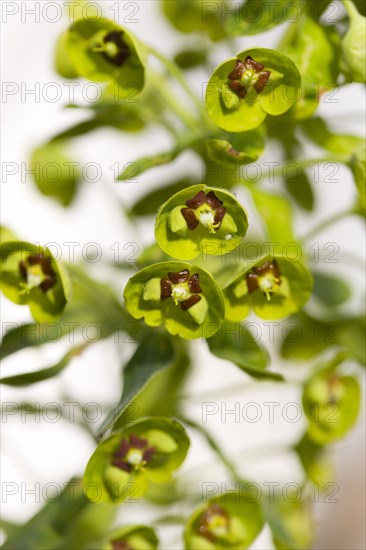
(122, 466)
(272, 292)
(182, 297)
(101, 50)
(31, 276)
(227, 521)
(200, 219)
(278, 94)
(331, 403)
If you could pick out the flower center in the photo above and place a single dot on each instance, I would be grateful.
(246, 75)
(180, 293)
(182, 287)
(114, 49)
(36, 272)
(266, 277)
(121, 545)
(214, 523)
(249, 78)
(269, 284)
(203, 209)
(135, 457)
(133, 454)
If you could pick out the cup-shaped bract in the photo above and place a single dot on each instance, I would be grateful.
(331, 403)
(243, 90)
(274, 287)
(132, 537)
(353, 45)
(182, 297)
(31, 276)
(239, 148)
(200, 219)
(228, 521)
(100, 50)
(149, 450)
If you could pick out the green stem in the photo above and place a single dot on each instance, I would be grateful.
(175, 72)
(167, 95)
(326, 223)
(214, 446)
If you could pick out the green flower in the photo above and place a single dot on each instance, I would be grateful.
(274, 287)
(200, 218)
(353, 44)
(331, 403)
(228, 521)
(101, 50)
(243, 90)
(149, 450)
(132, 537)
(31, 276)
(185, 298)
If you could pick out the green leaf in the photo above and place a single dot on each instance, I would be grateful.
(196, 16)
(318, 72)
(100, 50)
(358, 166)
(308, 337)
(226, 521)
(352, 335)
(176, 311)
(43, 374)
(300, 189)
(291, 521)
(138, 167)
(188, 59)
(317, 130)
(353, 44)
(179, 239)
(331, 403)
(316, 461)
(331, 290)
(25, 269)
(233, 342)
(274, 286)
(276, 213)
(57, 520)
(154, 353)
(253, 17)
(234, 113)
(55, 174)
(148, 450)
(151, 202)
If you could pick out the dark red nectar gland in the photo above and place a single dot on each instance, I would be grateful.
(133, 454)
(214, 523)
(115, 50)
(37, 271)
(120, 545)
(266, 278)
(183, 288)
(246, 75)
(203, 209)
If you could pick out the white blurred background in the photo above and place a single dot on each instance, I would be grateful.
(51, 452)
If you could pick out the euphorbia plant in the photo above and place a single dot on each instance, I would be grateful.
(196, 277)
